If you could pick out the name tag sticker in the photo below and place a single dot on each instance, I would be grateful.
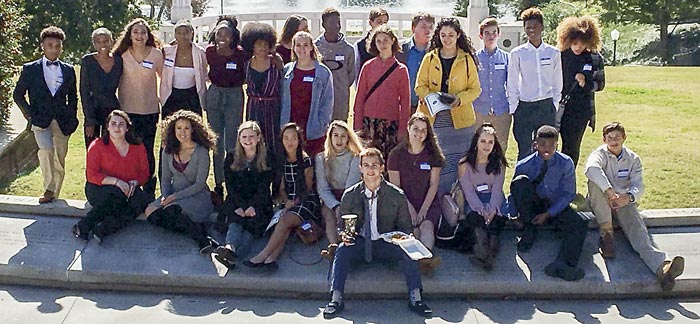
(169, 63)
(231, 66)
(482, 188)
(588, 67)
(623, 173)
(308, 79)
(339, 57)
(147, 64)
(425, 166)
(546, 61)
(500, 66)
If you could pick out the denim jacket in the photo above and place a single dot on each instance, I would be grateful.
(321, 100)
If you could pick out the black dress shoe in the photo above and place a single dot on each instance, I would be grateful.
(225, 257)
(78, 233)
(250, 264)
(271, 266)
(333, 309)
(420, 308)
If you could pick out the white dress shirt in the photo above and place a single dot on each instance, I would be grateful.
(53, 76)
(373, 212)
(534, 74)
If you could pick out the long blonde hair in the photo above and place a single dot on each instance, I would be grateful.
(353, 146)
(239, 160)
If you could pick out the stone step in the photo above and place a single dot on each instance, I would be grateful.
(40, 250)
(78, 208)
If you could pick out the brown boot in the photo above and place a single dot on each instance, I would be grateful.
(607, 241)
(668, 272)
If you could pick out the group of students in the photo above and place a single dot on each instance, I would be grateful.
(294, 156)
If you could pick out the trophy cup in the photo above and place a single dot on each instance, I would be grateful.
(350, 222)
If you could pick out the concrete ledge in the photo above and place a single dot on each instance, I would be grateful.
(40, 250)
(18, 155)
(79, 208)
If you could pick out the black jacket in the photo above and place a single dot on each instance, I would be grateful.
(42, 108)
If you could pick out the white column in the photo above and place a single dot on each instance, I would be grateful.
(181, 9)
(477, 11)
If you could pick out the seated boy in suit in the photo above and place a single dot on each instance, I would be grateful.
(380, 208)
(543, 185)
(51, 109)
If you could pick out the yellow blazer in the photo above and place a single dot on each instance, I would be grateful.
(463, 82)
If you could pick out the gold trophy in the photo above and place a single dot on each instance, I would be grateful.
(350, 222)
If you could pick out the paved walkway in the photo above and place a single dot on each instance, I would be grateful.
(21, 305)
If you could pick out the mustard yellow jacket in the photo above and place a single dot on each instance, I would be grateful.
(463, 82)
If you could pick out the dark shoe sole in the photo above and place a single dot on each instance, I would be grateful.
(333, 309)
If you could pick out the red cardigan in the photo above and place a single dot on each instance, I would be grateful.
(105, 161)
(391, 100)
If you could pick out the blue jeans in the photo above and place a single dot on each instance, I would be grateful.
(345, 254)
(239, 238)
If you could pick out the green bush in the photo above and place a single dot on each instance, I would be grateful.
(12, 22)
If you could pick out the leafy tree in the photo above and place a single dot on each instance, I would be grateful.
(495, 6)
(78, 19)
(661, 13)
(12, 22)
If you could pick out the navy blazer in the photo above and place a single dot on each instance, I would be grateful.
(42, 107)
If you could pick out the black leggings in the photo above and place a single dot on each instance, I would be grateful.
(173, 219)
(111, 210)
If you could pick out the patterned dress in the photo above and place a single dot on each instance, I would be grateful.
(308, 208)
(264, 102)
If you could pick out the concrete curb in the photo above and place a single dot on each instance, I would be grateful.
(79, 208)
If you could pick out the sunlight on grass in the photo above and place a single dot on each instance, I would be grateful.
(657, 105)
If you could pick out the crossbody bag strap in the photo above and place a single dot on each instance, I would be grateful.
(381, 80)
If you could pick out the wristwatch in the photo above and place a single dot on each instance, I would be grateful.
(632, 199)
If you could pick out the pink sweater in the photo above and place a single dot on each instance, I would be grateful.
(391, 101)
(138, 88)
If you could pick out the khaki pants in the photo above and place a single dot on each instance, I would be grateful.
(500, 123)
(632, 224)
(53, 147)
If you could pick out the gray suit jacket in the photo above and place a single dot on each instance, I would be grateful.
(392, 208)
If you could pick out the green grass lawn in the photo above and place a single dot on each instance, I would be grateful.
(657, 106)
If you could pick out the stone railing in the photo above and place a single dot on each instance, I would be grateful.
(354, 26)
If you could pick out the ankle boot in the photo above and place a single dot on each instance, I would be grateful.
(607, 241)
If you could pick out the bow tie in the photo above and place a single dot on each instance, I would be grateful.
(49, 63)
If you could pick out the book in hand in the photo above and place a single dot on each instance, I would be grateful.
(439, 101)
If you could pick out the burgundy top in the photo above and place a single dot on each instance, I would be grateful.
(104, 160)
(226, 71)
(180, 166)
(286, 53)
(301, 106)
(414, 174)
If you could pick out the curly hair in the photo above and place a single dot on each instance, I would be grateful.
(585, 29)
(124, 41)
(315, 55)
(201, 133)
(497, 161)
(463, 41)
(230, 23)
(354, 145)
(437, 158)
(52, 32)
(129, 136)
(291, 27)
(239, 160)
(253, 32)
(382, 29)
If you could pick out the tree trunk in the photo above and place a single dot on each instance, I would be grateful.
(663, 19)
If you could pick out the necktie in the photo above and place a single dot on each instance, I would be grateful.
(49, 63)
(540, 176)
(367, 227)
